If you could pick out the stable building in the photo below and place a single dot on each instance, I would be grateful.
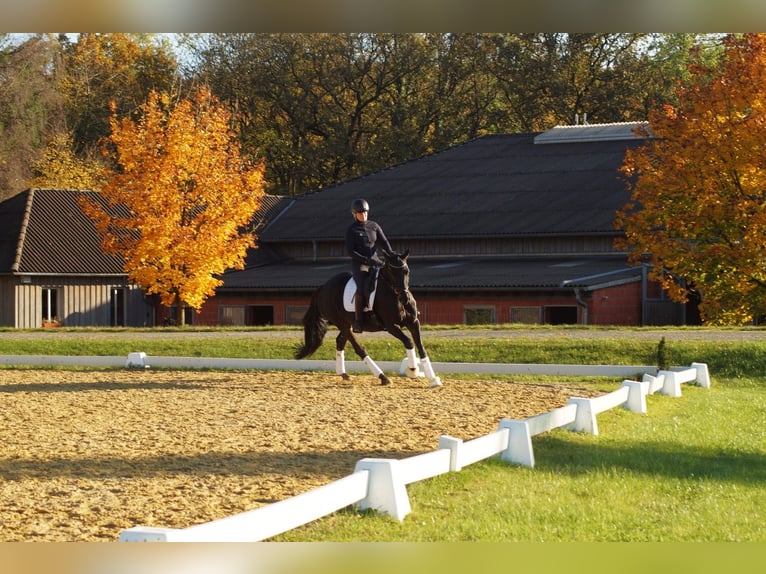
(53, 271)
(515, 228)
(512, 228)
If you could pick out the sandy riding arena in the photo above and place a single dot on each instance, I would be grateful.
(86, 454)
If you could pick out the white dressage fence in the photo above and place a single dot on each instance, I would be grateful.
(380, 484)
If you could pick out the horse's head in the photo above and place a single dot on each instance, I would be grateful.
(396, 273)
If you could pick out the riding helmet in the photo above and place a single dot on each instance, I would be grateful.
(359, 206)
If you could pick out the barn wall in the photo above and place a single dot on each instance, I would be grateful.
(242, 309)
(7, 302)
(446, 308)
(456, 308)
(80, 302)
(620, 305)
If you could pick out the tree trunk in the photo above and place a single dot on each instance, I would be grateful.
(180, 316)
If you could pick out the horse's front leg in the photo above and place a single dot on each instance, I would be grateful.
(425, 362)
(410, 366)
(360, 350)
(340, 355)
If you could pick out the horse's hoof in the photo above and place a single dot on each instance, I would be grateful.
(437, 382)
(344, 376)
(384, 380)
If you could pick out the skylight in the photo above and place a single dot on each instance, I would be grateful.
(591, 133)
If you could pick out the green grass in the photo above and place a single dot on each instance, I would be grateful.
(734, 359)
(691, 469)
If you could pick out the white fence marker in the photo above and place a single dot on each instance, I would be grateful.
(703, 377)
(519, 449)
(453, 444)
(136, 361)
(386, 491)
(588, 408)
(637, 391)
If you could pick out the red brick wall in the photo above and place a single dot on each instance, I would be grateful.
(620, 305)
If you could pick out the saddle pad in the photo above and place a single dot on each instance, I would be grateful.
(349, 292)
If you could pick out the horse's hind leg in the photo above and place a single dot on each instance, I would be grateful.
(340, 358)
(360, 350)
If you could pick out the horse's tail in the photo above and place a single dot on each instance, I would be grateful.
(314, 329)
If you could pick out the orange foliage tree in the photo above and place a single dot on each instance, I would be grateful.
(60, 167)
(178, 204)
(697, 212)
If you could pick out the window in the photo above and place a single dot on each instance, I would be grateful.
(241, 315)
(259, 315)
(479, 315)
(561, 315)
(117, 307)
(526, 315)
(231, 315)
(294, 314)
(50, 304)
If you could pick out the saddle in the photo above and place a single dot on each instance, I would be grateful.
(349, 292)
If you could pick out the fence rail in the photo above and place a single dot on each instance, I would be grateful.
(380, 484)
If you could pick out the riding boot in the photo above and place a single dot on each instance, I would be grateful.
(358, 312)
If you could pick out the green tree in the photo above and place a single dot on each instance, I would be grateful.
(30, 108)
(698, 206)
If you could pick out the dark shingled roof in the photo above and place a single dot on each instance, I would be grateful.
(493, 186)
(45, 231)
(498, 273)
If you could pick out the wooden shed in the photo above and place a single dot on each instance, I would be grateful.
(53, 271)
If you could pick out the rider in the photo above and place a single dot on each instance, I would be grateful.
(363, 240)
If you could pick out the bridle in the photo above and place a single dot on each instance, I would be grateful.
(402, 291)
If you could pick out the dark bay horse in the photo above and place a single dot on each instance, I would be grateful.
(394, 308)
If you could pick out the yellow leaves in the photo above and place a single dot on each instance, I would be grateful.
(188, 192)
(60, 167)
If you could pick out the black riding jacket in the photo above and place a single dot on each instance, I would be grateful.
(363, 240)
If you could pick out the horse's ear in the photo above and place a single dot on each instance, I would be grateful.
(405, 254)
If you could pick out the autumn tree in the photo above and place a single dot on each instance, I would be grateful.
(59, 166)
(100, 70)
(698, 207)
(179, 203)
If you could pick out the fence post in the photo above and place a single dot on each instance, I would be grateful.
(703, 376)
(585, 418)
(637, 391)
(672, 385)
(453, 444)
(519, 449)
(386, 491)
